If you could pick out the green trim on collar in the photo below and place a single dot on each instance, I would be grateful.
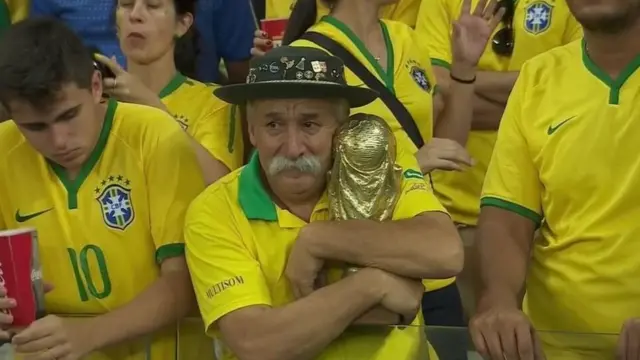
(254, 200)
(173, 85)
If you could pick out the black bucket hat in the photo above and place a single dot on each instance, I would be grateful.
(296, 72)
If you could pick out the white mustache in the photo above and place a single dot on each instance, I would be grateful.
(307, 164)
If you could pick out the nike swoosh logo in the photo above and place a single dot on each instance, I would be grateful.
(23, 218)
(553, 129)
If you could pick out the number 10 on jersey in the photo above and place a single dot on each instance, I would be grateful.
(85, 277)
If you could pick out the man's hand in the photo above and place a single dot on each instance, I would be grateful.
(302, 266)
(54, 338)
(629, 341)
(443, 154)
(505, 333)
(5, 319)
(402, 296)
(261, 43)
(125, 87)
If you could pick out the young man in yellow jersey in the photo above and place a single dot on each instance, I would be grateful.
(106, 185)
(256, 239)
(529, 27)
(566, 162)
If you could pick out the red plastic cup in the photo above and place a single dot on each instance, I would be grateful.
(275, 29)
(21, 274)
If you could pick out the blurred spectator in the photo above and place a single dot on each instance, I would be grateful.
(226, 30)
(106, 185)
(92, 20)
(558, 229)
(527, 29)
(149, 37)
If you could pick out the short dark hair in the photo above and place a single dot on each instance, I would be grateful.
(38, 56)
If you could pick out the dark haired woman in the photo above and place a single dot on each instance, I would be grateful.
(391, 52)
(152, 35)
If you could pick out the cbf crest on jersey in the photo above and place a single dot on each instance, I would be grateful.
(537, 17)
(418, 74)
(116, 204)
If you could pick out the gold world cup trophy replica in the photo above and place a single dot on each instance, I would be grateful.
(364, 182)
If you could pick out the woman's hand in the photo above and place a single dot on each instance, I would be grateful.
(261, 43)
(472, 30)
(443, 154)
(126, 87)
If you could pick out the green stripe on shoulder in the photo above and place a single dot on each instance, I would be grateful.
(513, 207)
(168, 251)
(412, 174)
(441, 63)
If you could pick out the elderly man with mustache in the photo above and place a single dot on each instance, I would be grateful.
(258, 239)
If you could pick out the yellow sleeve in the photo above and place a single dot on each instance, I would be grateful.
(226, 276)
(416, 194)
(434, 29)
(512, 182)
(573, 31)
(174, 179)
(220, 132)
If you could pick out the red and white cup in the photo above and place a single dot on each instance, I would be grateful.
(21, 274)
(275, 29)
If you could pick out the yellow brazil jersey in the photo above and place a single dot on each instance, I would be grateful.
(538, 25)
(405, 11)
(408, 75)
(566, 159)
(19, 9)
(209, 120)
(103, 234)
(225, 232)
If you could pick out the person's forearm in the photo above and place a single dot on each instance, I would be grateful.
(495, 85)
(378, 316)
(423, 247)
(486, 114)
(457, 113)
(303, 329)
(502, 252)
(212, 169)
(166, 301)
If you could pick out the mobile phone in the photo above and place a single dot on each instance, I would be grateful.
(102, 68)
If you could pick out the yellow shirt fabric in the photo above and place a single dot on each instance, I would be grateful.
(408, 75)
(566, 159)
(210, 121)
(238, 243)
(103, 235)
(538, 25)
(403, 10)
(19, 9)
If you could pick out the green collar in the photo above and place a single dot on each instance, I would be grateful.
(173, 85)
(615, 85)
(385, 74)
(254, 200)
(73, 185)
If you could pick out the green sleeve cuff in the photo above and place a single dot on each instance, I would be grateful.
(168, 251)
(441, 63)
(513, 207)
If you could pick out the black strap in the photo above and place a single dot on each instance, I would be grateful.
(399, 111)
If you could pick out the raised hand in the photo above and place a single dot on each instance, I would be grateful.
(472, 30)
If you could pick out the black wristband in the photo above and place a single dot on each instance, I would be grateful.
(462, 81)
